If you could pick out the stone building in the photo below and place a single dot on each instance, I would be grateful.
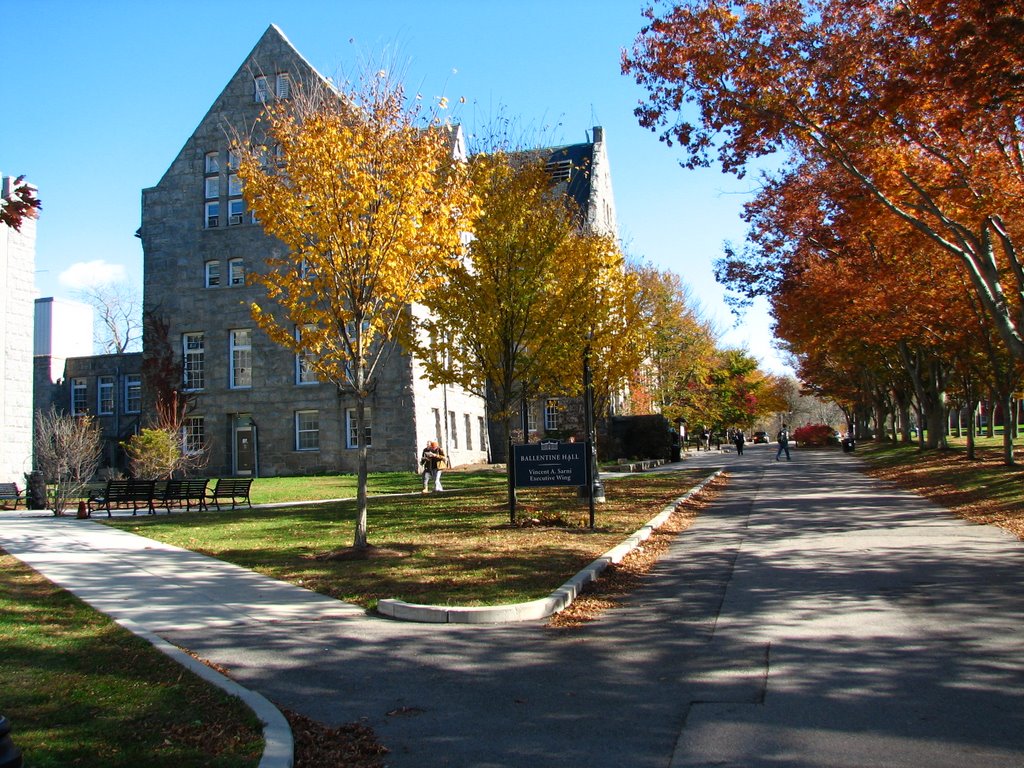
(67, 376)
(17, 265)
(258, 410)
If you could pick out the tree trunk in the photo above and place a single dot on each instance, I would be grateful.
(937, 428)
(1006, 401)
(971, 430)
(903, 409)
(361, 540)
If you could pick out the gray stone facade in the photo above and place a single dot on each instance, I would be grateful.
(17, 265)
(107, 387)
(252, 410)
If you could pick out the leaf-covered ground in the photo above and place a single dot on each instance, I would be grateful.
(983, 490)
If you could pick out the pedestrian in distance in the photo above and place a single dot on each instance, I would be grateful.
(432, 461)
(739, 438)
(783, 440)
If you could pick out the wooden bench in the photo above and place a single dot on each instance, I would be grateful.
(234, 488)
(10, 492)
(124, 492)
(185, 491)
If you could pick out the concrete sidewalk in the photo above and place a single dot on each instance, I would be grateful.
(880, 631)
(811, 617)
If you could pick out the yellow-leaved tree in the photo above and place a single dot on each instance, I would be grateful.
(370, 202)
(513, 319)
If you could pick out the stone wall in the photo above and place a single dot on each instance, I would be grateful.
(17, 265)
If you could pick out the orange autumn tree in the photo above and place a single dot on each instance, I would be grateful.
(915, 103)
(863, 295)
(369, 204)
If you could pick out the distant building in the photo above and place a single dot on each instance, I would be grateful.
(17, 266)
(258, 409)
(70, 377)
(62, 329)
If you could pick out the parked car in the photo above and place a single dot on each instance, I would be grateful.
(760, 437)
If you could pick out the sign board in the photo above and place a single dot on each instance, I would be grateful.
(550, 462)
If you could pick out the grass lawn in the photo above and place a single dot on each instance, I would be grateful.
(79, 690)
(455, 548)
(275, 490)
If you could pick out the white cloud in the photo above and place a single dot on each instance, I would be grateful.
(88, 274)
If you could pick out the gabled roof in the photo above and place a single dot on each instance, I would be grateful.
(575, 160)
(272, 54)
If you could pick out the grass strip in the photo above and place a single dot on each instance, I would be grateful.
(81, 691)
(456, 548)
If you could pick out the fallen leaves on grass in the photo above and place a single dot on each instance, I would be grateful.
(623, 578)
(950, 480)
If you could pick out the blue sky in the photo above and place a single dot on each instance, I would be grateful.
(101, 96)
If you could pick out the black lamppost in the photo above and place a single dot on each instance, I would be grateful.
(595, 491)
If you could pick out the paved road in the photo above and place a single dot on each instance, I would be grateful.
(811, 617)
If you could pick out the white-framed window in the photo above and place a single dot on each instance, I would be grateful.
(438, 435)
(133, 393)
(241, 358)
(79, 397)
(483, 432)
(469, 431)
(261, 92)
(193, 436)
(454, 435)
(211, 187)
(307, 430)
(304, 373)
(283, 86)
(105, 395)
(212, 210)
(212, 273)
(232, 161)
(236, 272)
(193, 353)
(351, 433)
(234, 185)
(552, 409)
(212, 164)
(531, 418)
(236, 211)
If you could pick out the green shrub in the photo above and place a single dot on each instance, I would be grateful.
(154, 454)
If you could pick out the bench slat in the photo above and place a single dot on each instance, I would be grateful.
(119, 492)
(234, 488)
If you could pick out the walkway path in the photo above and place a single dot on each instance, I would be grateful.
(811, 617)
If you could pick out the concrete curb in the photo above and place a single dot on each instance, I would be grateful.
(557, 601)
(278, 748)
